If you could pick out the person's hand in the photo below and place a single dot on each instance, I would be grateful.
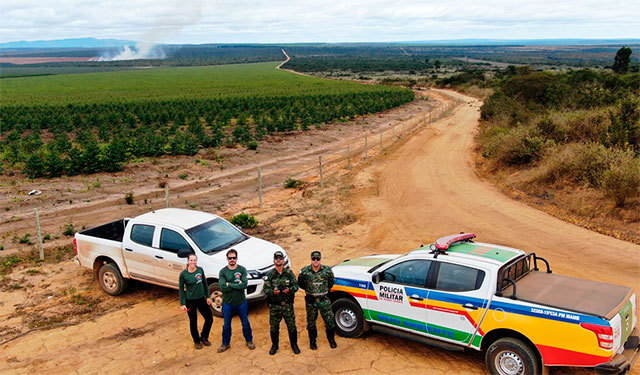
(227, 283)
(285, 291)
(209, 301)
(184, 308)
(276, 291)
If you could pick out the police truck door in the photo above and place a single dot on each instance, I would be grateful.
(402, 296)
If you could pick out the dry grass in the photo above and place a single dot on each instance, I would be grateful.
(578, 204)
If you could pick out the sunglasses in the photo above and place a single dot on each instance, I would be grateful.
(315, 258)
(232, 258)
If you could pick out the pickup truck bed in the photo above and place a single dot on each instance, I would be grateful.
(569, 293)
(113, 231)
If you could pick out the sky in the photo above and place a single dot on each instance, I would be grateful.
(294, 21)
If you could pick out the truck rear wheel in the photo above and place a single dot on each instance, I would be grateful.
(510, 356)
(348, 317)
(216, 299)
(111, 279)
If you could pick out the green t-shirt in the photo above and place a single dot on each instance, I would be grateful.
(194, 283)
(233, 294)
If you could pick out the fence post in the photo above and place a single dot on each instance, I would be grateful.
(166, 194)
(348, 157)
(39, 235)
(365, 148)
(321, 177)
(260, 185)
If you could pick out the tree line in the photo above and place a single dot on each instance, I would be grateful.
(88, 138)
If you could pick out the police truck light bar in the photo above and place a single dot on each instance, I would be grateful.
(443, 243)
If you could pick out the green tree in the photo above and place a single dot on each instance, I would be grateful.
(34, 167)
(622, 60)
(54, 165)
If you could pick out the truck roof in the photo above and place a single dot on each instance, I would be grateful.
(481, 252)
(179, 217)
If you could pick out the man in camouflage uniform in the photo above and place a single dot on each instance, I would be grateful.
(280, 287)
(317, 280)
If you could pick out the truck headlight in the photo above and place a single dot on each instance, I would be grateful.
(254, 274)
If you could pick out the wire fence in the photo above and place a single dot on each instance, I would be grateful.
(317, 165)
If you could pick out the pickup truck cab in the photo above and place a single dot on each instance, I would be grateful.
(153, 248)
(459, 294)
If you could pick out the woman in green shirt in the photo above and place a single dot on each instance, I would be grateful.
(194, 295)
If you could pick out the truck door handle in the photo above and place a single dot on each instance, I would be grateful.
(417, 297)
(159, 257)
(128, 249)
(470, 306)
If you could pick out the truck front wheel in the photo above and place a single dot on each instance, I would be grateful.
(348, 317)
(216, 299)
(510, 356)
(111, 279)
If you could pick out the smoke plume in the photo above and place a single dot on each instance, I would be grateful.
(175, 16)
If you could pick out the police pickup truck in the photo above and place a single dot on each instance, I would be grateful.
(153, 248)
(459, 294)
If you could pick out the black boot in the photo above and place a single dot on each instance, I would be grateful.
(331, 337)
(313, 334)
(293, 339)
(275, 340)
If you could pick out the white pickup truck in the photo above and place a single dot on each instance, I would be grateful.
(153, 248)
(459, 294)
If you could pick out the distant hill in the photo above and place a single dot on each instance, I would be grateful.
(529, 42)
(68, 43)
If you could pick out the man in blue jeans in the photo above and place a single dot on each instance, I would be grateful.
(233, 282)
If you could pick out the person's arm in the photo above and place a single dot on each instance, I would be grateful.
(331, 279)
(243, 281)
(294, 283)
(205, 284)
(223, 281)
(268, 286)
(301, 281)
(183, 298)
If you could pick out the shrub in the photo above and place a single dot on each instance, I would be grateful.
(129, 197)
(244, 220)
(68, 230)
(291, 183)
(622, 180)
(516, 146)
(252, 145)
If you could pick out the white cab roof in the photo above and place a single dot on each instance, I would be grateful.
(178, 217)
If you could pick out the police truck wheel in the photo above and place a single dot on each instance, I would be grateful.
(111, 279)
(510, 356)
(216, 299)
(348, 317)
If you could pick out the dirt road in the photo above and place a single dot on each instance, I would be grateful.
(419, 189)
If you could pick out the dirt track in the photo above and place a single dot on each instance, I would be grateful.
(422, 188)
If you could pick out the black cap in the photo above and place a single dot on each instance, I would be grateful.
(316, 253)
(278, 254)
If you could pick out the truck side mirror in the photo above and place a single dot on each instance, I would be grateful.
(375, 278)
(184, 252)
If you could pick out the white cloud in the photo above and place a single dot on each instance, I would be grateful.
(200, 21)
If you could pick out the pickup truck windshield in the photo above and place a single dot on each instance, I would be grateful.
(215, 235)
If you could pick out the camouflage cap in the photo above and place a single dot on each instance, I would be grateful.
(278, 254)
(316, 253)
